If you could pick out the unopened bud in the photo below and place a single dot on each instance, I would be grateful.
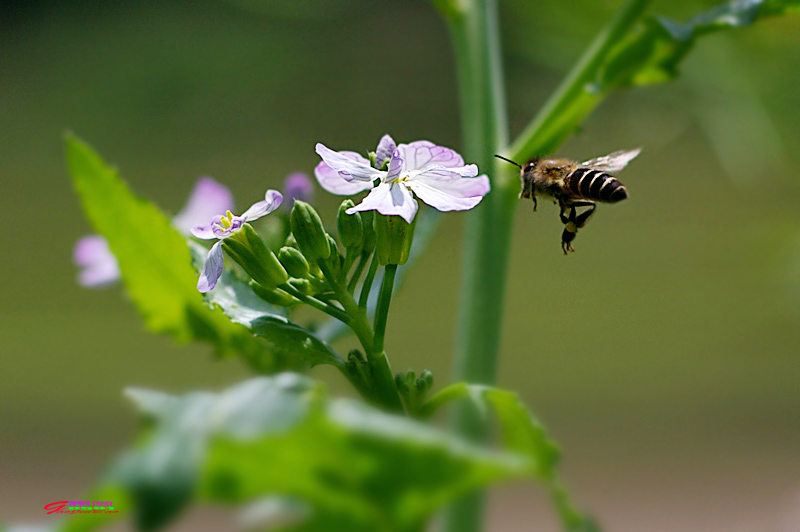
(368, 226)
(302, 285)
(294, 262)
(393, 239)
(276, 297)
(350, 227)
(308, 231)
(253, 255)
(335, 260)
(424, 382)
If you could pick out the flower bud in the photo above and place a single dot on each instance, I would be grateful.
(252, 254)
(335, 260)
(294, 262)
(393, 239)
(308, 231)
(278, 297)
(402, 381)
(350, 227)
(368, 226)
(302, 285)
(424, 382)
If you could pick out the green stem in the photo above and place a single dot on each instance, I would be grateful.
(382, 311)
(362, 263)
(476, 42)
(368, 280)
(476, 39)
(572, 101)
(384, 389)
(327, 308)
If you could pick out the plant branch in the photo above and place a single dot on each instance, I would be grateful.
(577, 95)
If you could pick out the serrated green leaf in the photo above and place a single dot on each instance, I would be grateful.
(653, 52)
(357, 468)
(621, 56)
(294, 346)
(154, 260)
(521, 433)
(161, 475)
(360, 468)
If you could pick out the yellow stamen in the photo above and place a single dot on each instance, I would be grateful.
(226, 220)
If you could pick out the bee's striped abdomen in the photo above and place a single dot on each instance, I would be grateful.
(596, 185)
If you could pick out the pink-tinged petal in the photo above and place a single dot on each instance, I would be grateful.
(212, 269)
(348, 168)
(99, 265)
(330, 180)
(272, 200)
(389, 200)
(385, 150)
(441, 199)
(207, 199)
(204, 232)
(450, 182)
(423, 153)
(297, 186)
(395, 167)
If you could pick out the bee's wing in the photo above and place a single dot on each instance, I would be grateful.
(613, 162)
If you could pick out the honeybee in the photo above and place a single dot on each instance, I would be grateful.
(574, 185)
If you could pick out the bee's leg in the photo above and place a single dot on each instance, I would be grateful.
(570, 229)
(583, 217)
(564, 218)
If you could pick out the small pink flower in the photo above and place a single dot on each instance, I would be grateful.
(99, 266)
(221, 227)
(434, 174)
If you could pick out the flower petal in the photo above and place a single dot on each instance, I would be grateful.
(450, 181)
(390, 200)
(204, 232)
(99, 265)
(208, 198)
(423, 153)
(330, 180)
(347, 167)
(442, 199)
(272, 200)
(385, 150)
(297, 186)
(212, 269)
(396, 167)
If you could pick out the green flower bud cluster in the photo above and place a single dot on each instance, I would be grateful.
(314, 268)
(413, 389)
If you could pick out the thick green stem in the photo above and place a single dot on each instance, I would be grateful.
(476, 40)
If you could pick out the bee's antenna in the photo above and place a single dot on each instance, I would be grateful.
(509, 161)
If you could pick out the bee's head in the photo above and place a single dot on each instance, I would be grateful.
(531, 165)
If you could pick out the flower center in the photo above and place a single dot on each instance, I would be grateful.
(227, 220)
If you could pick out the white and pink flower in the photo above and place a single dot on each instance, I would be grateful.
(434, 174)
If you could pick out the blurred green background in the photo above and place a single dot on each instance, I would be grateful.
(664, 354)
